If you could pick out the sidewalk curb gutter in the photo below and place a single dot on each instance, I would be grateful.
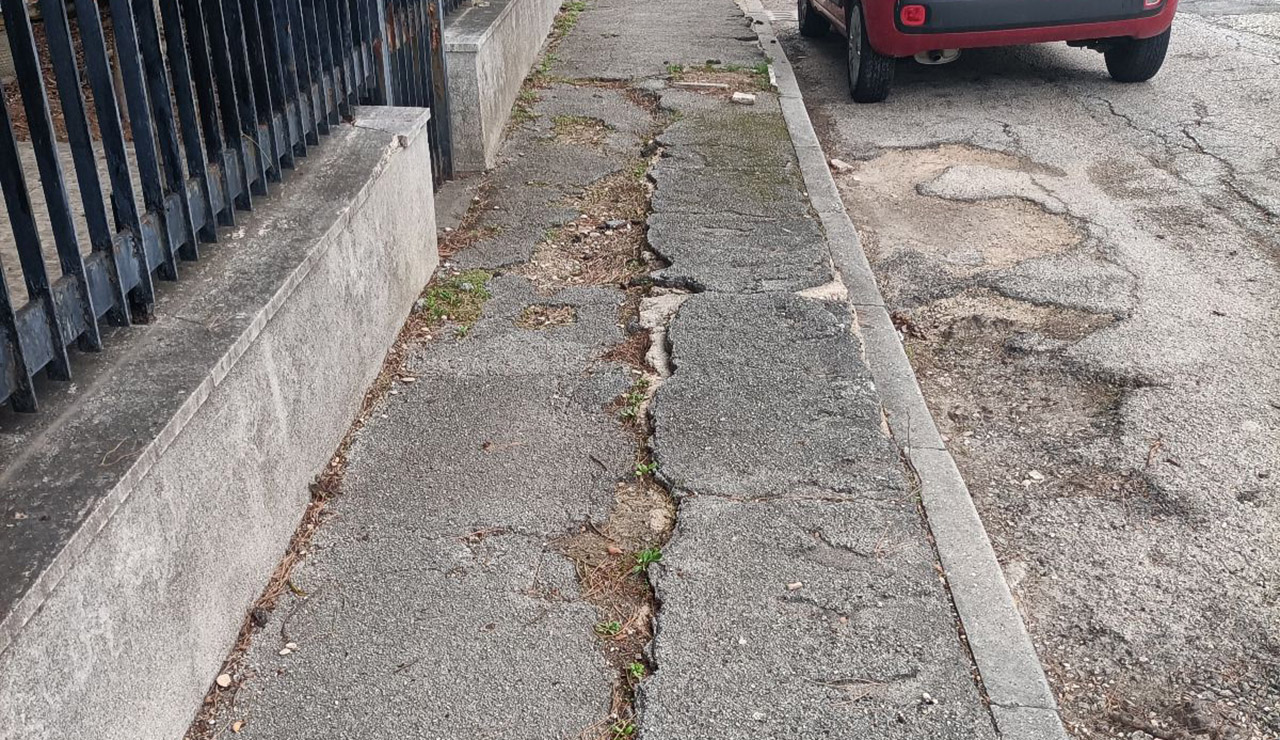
(1022, 704)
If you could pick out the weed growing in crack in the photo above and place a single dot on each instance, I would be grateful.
(623, 729)
(644, 559)
(459, 298)
(632, 402)
(609, 629)
(637, 671)
(567, 18)
(643, 469)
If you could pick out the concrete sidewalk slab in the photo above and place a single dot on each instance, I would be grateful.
(769, 398)
(806, 619)
(628, 40)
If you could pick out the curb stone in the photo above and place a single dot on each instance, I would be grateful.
(1022, 704)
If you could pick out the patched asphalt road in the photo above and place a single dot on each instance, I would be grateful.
(1086, 276)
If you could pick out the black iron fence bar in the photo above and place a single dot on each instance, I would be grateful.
(295, 96)
(350, 64)
(301, 57)
(222, 68)
(24, 342)
(254, 47)
(324, 44)
(26, 62)
(245, 96)
(101, 235)
(360, 21)
(131, 263)
(201, 56)
(184, 242)
(274, 73)
(314, 64)
(185, 98)
(442, 159)
(350, 67)
(148, 163)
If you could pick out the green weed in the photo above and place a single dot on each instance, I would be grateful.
(634, 399)
(458, 298)
(645, 558)
(643, 469)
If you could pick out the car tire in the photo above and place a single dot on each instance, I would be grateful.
(870, 72)
(812, 23)
(1137, 60)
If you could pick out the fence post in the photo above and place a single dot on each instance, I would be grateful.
(381, 54)
(440, 79)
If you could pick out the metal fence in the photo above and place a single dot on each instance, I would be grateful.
(172, 115)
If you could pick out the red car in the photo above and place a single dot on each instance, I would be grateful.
(1132, 34)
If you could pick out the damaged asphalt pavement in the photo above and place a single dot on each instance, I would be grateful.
(627, 474)
(631, 469)
(1085, 274)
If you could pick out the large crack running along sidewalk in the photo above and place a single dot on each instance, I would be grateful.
(631, 478)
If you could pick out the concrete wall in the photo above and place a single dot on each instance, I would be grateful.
(489, 52)
(265, 351)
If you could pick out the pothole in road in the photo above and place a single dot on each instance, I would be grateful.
(967, 235)
(1040, 447)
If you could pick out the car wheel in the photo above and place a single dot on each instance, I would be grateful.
(870, 72)
(812, 23)
(1137, 60)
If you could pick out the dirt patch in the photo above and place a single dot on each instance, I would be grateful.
(546, 317)
(582, 130)
(631, 351)
(893, 216)
(469, 231)
(722, 80)
(606, 245)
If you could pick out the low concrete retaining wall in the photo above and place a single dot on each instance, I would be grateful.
(489, 51)
(181, 460)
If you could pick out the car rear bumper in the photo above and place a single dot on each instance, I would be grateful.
(968, 24)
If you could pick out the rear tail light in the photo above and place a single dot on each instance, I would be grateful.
(915, 15)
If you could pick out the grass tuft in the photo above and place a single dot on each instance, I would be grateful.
(458, 298)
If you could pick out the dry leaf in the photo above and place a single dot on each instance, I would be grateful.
(237, 726)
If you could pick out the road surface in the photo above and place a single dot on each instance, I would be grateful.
(1085, 274)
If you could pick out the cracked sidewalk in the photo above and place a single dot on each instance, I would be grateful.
(649, 370)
